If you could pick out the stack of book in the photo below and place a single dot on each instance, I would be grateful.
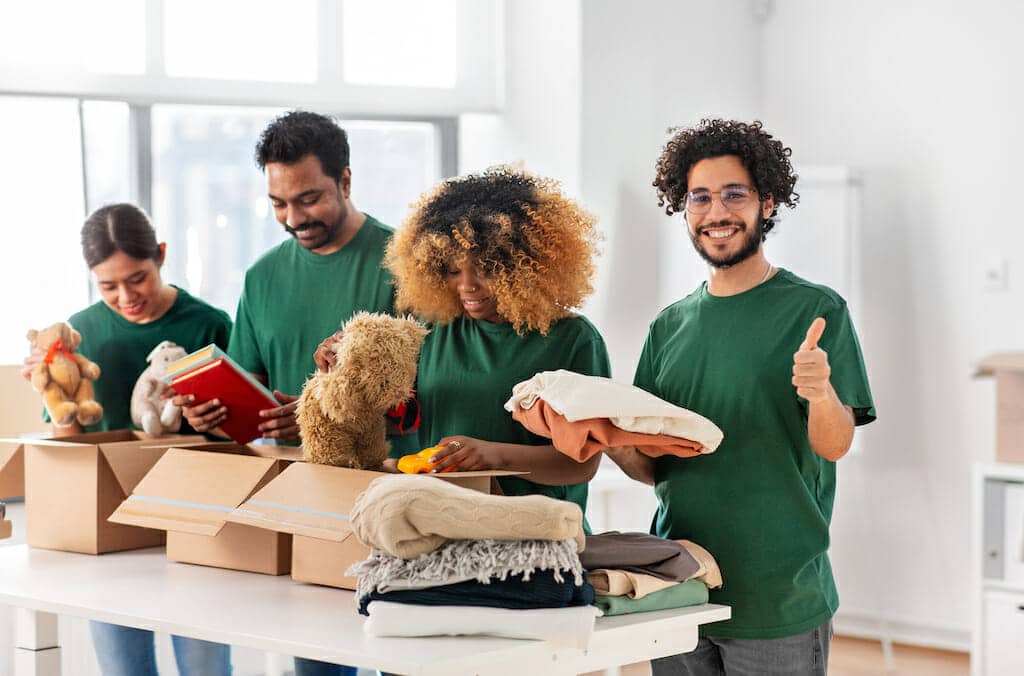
(209, 373)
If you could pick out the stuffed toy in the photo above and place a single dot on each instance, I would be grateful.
(341, 412)
(152, 414)
(65, 377)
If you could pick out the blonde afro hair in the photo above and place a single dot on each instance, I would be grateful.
(535, 247)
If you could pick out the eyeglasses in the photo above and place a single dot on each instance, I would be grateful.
(734, 198)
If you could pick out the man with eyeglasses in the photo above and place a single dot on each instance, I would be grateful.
(774, 361)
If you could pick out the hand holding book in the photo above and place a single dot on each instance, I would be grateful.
(214, 392)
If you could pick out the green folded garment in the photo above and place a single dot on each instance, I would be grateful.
(689, 593)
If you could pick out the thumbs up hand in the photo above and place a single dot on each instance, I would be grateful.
(810, 366)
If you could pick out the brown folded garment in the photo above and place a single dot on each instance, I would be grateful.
(640, 553)
(583, 439)
(409, 515)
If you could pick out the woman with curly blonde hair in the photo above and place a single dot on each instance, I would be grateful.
(496, 262)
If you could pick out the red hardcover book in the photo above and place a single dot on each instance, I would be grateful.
(243, 396)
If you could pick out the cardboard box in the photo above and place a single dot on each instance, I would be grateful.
(1008, 369)
(191, 491)
(6, 528)
(12, 468)
(313, 502)
(72, 484)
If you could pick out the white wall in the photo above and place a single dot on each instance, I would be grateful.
(646, 67)
(539, 125)
(922, 100)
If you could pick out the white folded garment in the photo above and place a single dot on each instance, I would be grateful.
(565, 627)
(580, 397)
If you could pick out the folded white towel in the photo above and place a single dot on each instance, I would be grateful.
(564, 627)
(580, 397)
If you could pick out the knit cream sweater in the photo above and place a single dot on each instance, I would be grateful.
(409, 515)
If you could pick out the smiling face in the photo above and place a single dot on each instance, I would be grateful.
(473, 291)
(309, 204)
(721, 236)
(132, 287)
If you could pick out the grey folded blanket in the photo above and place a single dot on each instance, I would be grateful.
(463, 560)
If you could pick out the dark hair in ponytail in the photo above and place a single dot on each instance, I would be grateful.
(118, 227)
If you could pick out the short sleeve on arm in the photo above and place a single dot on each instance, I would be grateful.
(849, 374)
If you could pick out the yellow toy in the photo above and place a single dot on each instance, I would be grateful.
(419, 463)
(65, 377)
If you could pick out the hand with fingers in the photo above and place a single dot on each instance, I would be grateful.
(811, 370)
(466, 454)
(324, 355)
(281, 423)
(202, 416)
(34, 359)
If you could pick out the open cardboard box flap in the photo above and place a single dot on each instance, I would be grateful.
(317, 500)
(127, 453)
(12, 468)
(193, 491)
(1000, 361)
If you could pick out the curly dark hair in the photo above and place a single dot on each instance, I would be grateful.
(764, 157)
(535, 246)
(290, 137)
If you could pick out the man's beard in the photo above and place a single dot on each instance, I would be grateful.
(328, 233)
(751, 243)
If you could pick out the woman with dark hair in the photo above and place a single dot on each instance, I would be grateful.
(497, 262)
(138, 310)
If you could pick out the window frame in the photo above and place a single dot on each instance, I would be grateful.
(478, 88)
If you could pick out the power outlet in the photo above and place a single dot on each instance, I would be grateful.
(997, 275)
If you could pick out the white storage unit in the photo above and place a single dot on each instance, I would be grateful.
(997, 646)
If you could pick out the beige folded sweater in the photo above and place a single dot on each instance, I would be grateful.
(409, 515)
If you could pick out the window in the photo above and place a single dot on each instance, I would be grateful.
(271, 41)
(120, 100)
(48, 36)
(41, 268)
(210, 200)
(108, 169)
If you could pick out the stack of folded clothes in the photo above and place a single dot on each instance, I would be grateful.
(637, 572)
(448, 560)
(582, 415)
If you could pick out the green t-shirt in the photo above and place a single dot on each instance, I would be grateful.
(120, 347)
(762, 503)
(467, 369)
(292, 299)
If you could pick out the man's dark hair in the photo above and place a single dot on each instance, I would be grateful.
(292, 136)
(764, 157)
(118, 227)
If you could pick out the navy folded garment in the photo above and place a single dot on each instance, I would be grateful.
(542, 590)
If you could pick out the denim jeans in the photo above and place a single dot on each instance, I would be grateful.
(127, 651)
(805, 654)
(304, 667)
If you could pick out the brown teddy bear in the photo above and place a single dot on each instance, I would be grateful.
(341, 412)
(65, 377)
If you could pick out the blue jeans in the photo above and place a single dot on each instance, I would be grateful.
(305, 667)
(805, 654)
(127, 651)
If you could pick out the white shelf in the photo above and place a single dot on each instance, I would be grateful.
(994, 555)
(999, 585)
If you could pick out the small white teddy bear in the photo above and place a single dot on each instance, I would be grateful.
(154, 415)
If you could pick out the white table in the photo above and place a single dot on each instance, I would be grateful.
(143, 589)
